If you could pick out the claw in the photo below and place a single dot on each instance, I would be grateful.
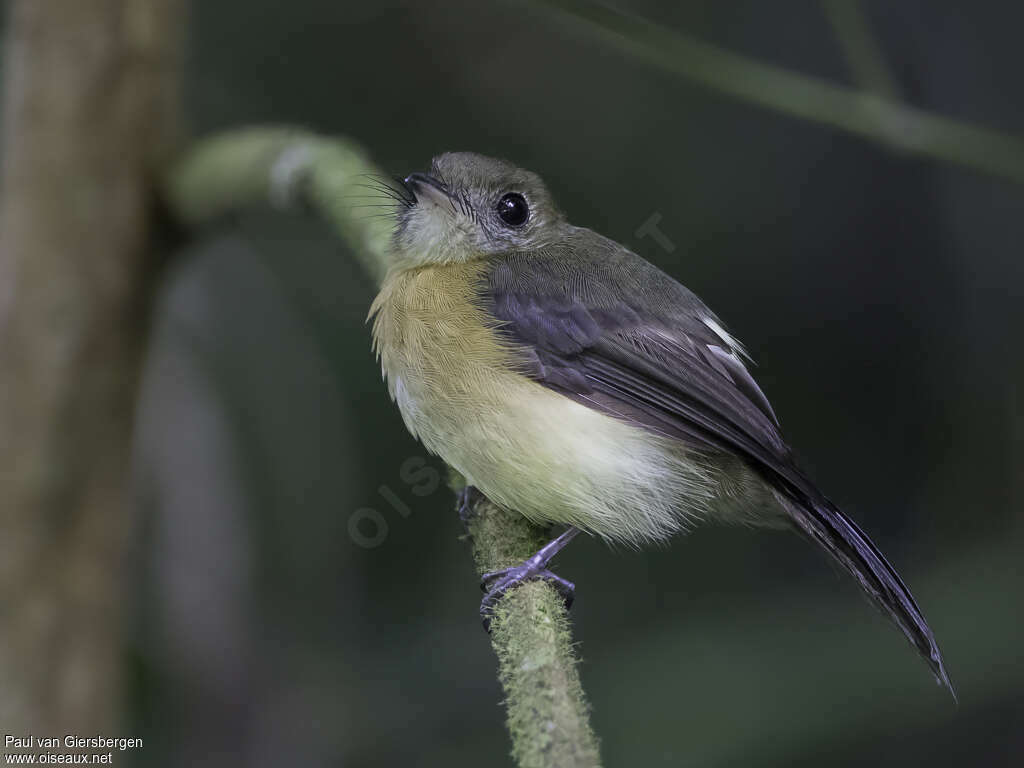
(497, 583)
(514, 578)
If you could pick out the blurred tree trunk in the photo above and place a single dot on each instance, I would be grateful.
(90, 102)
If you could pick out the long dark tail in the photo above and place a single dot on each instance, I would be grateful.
(849, 545)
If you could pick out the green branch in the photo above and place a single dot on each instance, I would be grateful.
(870, 115)
(285, 168)
(860, 49)
(548, 716)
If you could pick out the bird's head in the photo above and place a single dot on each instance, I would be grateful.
(470, 206)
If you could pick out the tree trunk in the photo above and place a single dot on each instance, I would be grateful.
(90, 101)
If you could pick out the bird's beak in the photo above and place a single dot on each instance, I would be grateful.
(423, 186)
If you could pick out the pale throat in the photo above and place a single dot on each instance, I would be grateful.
(434, 236)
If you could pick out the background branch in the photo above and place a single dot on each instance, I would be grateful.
(89, 110)
(860, 48)
(548, 716)
(873, 116)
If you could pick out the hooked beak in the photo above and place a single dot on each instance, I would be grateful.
(423, 186)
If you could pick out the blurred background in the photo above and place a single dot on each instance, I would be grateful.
(291, 599)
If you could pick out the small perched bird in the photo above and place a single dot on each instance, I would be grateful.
(572, 381)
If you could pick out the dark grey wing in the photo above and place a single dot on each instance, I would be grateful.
(616, 333)
(601, 325)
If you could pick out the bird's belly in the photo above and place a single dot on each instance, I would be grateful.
(554, 460)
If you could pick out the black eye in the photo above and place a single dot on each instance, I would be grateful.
(513, 210)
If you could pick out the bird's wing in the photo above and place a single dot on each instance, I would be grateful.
(601, 325)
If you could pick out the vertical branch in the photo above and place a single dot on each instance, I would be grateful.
(548, 714)
(89, 106)
(860, 48)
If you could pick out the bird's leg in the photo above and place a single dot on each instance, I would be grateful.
(467, 498)
(497, 583)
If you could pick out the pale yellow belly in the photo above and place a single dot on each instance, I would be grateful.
(555, 460)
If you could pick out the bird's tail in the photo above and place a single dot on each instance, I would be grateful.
(823, 523)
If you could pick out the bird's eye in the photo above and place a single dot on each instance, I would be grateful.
(513, 210)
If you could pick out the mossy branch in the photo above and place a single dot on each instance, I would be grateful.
(286, 168)
(548, 716)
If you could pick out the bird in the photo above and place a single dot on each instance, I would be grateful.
(574, 382)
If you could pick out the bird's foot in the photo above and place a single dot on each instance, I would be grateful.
(497, 583)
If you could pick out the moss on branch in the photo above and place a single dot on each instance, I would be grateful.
(548, 715)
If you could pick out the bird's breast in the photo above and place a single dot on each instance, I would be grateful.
(441, 359)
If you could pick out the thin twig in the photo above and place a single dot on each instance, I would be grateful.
(860, 48)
